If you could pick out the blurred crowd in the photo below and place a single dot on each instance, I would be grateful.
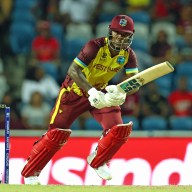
(40, 38)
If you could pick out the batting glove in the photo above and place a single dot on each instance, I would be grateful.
(97, 99)
(113, 96)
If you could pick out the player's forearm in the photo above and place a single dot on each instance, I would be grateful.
(76, 74)
(82, 82)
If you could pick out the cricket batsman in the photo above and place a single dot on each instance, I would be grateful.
(86, 88)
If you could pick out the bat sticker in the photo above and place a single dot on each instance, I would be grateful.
(132, 84)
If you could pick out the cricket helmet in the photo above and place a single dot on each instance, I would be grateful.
(122, 23)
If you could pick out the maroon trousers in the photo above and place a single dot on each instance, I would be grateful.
(69, 106)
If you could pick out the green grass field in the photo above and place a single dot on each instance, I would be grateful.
(63, 188)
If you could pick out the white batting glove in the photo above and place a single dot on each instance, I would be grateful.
(113, 96)
(97, 99)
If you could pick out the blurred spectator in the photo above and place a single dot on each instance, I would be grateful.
(165, 10)
(10, 101)
(185, 20)
(184, 31)
(77, 11)
(35, 114)
(5, 11)
(160, 49)
(3, 81)
(152, 103)
(46, 50)
(37, 80)
(15, 122)
(181, 99)
(15, 118)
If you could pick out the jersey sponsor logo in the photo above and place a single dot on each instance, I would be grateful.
(123, 22)
(106, 69)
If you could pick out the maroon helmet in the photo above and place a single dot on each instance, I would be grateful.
(122, 23)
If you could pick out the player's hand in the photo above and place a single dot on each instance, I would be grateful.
(113, 96)
(97, 99)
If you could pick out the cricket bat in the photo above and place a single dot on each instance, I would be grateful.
(145, 77)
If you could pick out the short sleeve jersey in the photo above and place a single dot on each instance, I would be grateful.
(99, 67)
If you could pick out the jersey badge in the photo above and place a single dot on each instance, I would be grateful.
(121, 60)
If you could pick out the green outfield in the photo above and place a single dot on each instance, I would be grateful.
(63, 188)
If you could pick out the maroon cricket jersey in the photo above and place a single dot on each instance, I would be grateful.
(99, 67)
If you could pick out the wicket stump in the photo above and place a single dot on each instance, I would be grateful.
(7, 141)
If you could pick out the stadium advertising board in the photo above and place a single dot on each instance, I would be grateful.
(141, 161)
